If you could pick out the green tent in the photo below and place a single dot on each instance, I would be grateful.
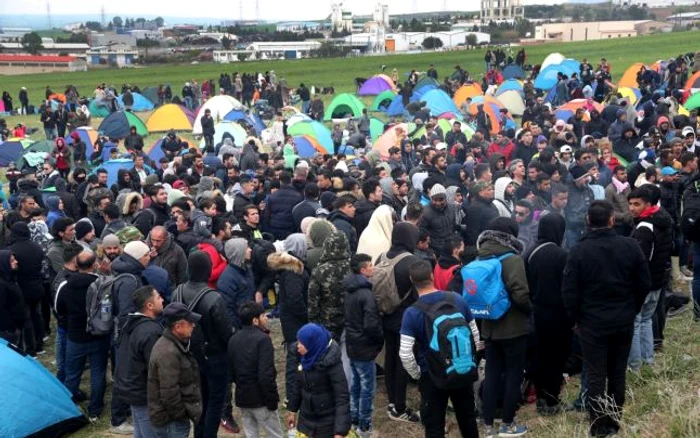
(97, 110)
(342, 105)
(693, 102)
(444, 124)
(385, 97)
(425, 80)
(376, 128)
(41, 146)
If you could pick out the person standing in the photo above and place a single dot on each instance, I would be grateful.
(11, 301)
(48, 119)
(140, 333)
(208, 129)
(23, 101)
(606, 281)
(174, 396)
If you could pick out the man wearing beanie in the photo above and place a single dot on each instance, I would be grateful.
(580, 198)
(436, 220)
(210, 348)
(506, 338)
(84, 234)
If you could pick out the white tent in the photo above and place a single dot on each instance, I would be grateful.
(236, 131)
(220, 106)
(512, 100)
(552, 59)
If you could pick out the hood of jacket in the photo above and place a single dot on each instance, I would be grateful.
(627, 126)
(452, 171)
(551, 229)
(492, 242)
(127, 264)
(500, 187)
(355, 282)
(404, 237)
(386, 185)
(124, 200)
(52, 203)
(121, 174)
(583, 140)
(235, 249)
(25, 184)
(297, 245)
(494, 159)
(5, 267)
(336, 247)
(283, 261)
(319, 232)
(447, 261)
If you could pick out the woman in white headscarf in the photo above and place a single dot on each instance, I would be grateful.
(376, 238)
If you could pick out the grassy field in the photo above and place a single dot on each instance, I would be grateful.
(663, 401)
(341, 72)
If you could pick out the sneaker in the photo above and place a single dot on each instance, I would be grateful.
(93, 420)
(40, 352)
(389, 409)
(677, 311)
(123, 429)
(511, 430)
(363, 433)
(687, 273)
(490, 432)
(230, 425)
(407, 416)
(45, 338)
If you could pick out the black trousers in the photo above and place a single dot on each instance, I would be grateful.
(33, 333)
(605, 359)
(553, 347)
(46, 308)
(658, 320)
(433, 407)
(505, 363)
(395, 376)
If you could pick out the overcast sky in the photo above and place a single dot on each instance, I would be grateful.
(230, 9)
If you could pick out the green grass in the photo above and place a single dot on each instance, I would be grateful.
(341, 72)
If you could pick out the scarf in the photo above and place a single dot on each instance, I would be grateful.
(620, 187)
(650, 211)
(316, 339)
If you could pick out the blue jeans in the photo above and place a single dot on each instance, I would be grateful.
(142, 422)
(642, 349)
(61, 354)
(175, 429)
(305, 106)
(572, 237)
(214, 381)
(696, 278)
(364, 385)
(76, 354)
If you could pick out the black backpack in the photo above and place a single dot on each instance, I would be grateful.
(198, 342)
(690, 218)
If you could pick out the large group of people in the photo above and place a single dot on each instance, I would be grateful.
(170, 276)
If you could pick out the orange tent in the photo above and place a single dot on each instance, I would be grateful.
(466, 91)
(390, 138)
(693, 82)
(58, 96)
(629, 78)
(492, 108)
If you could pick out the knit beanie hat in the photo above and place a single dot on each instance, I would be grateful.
(437, 189)
(136, 249)
(110, 240)
(82, 229)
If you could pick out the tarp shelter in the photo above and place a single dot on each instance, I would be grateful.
(170, 116)
(513, 71)
(692, 103)
(239, 115)
(307, 146)
(88, 135)
(141, 103)
(155, 152)
(382, 101)
(315, 130)
(512, 100)
(439, 102)
(466, 91)
(552, 59)
(97, 110)
(343, 105)
(113, 166)
(219, 106)
(391, 138)
(118, 124)
(11, 149)
(296, 118)
(35, 153)
(376, 128)
(693, 84)
(396, 107)
(629, 77)
(375, 85)
(151, 93)
(508, 85)
(234, 129)
(34, 402)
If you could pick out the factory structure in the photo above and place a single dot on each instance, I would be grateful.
(501, 10)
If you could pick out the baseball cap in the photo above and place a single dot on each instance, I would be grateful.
(668, 171)
(566, 150)
(688, 130)
(179, 184)
(178, 311)
(441, 146)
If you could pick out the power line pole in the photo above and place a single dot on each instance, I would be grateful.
(48, 15)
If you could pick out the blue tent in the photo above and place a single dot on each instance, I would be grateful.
(156, 152)
(547, 78)
(571, 66)
(510, 84)
(550, 95)
(113, 166)
(141, 103)
(237, 115)
(396, 107)
(33, 401)
(421, 91)
(513, 71)
(439, 102)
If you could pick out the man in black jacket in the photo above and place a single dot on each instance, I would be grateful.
(654, 233)
(365, 207)
(308, 207)
(436, 220)
(252, 361)
(364, 340)
(279, 208)
(479, 212)
(136, 341)
(156, 214)
(544, 266)
(606, 281)
(208, 129)
(216, 330)
(343, 217)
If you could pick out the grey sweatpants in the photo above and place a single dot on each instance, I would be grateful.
(253, 419)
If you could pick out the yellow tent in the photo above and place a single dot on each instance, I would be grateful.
(169, 117)
(629, 78)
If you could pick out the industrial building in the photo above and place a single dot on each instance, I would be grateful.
(404, 41)
(121, 55)
(684, 19)
(24, 64)
(597, 30)
(269, 50)
(501, 10)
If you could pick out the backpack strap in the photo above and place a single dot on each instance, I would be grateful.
(534, 251)
(505, 256)
(179, 298)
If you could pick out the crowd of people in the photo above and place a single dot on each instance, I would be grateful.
(170, 276)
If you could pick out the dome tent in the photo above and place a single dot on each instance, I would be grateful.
(170, 116)
(342, 105)
(235, 130)
(96, 110)
(375, 85)
(314, 130)
(118, 124)
(382, 101)
(219, 106)
(439, 102)
(141, 103)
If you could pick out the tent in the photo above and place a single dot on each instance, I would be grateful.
(307, 146)
(508, 85)
(632, 93)
(118, 124)
(444, 124)
(219, 106)
(288, 111)
(155, 152)
(466, 91)
(396, 107)
(342, 105)
(492, 107)
(34, 402)
(151, 93)
(88, 136)
(234, 129)
(96, 110)
(375, 85)
(376, 128)
(141, 103)
(513, 71)
(419, 92)
(439, 102)
(552, 59)
(693, 84)
(170, 116)
(382, 101)
(34, 152)
(581, 103)
(113, 166)
(296, 118)
(692, 103)
(239, 115)
(11, 149)
(390, 138)
(58, 96)
(512, 100)
(547, 78)
(315, 130)
(629, 77)
(426, 80)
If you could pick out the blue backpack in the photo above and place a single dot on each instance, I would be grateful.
(449, 352)
(483, 288)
